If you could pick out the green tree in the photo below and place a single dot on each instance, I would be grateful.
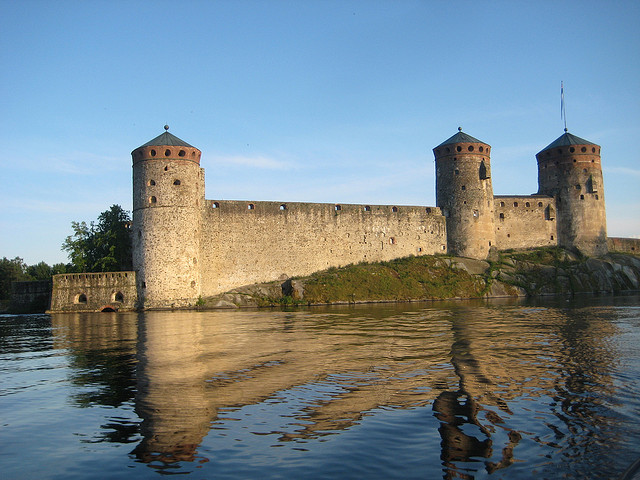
(11, 271)
(39, 271)
(104, 246)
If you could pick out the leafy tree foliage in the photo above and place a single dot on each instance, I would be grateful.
(11, 271)
(104, 246)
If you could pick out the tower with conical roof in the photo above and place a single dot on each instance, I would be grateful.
(168, 192)
(569, 169)
(465, 194)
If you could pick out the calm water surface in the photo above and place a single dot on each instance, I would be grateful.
(451, 390)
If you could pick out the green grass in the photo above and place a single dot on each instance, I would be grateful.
(408, 278)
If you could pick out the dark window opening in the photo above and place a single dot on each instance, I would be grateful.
(337, 208)
(152, 183)
(176, 182)
(118, 297)
(167, 152)
(153, 153)
(483, 171)
(251, 206)
(367, 208)
(283, 206)
(215, 205)
(428, 210)
(549, 213)
(394, 209)
(181, 153)
(82, 298)
(152, 200)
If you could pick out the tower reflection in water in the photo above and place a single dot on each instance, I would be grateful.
(469, 364)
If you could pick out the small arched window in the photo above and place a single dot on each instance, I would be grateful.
(118, 297)
(81, 298)
(283, 206)
(151, 183)
(394, 209)
(367, 208)
(337, 208)
(152, 200)
(167, 153)
(251, 206)
(176, 182)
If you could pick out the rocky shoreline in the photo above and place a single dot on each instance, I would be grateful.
(547, 271)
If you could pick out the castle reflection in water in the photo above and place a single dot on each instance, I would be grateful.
(185, 371)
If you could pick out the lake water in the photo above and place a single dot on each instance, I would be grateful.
(546, 389)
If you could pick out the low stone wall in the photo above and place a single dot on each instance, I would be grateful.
(94, 292)
(30, 297)
(624, 245)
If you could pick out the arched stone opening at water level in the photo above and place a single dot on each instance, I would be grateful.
(108, 308)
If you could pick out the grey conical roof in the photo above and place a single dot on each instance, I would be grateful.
(565, 140)
(460, 137)
(166, 139)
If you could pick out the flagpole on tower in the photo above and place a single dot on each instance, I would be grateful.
(563, 113)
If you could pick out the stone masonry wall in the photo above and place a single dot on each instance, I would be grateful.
(624, 245)
(525, 221)
(250, 242)
(30, 296)
(94, 292)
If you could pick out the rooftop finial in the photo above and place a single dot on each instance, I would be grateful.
(166, 127)
(566, 129)
(459, 129)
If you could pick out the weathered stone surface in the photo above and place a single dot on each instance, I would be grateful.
(470, 265)
(94, 292)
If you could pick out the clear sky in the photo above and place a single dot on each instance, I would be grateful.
(318, 101)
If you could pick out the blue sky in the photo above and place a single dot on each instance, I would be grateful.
(318, 101)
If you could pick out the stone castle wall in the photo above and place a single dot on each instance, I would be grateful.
(94, 292)
(251, 242)
(30, 296)
(525, 221)
(624, 245)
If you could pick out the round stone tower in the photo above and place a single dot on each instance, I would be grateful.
(465, 194)
(168, 192)
(569, 169)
